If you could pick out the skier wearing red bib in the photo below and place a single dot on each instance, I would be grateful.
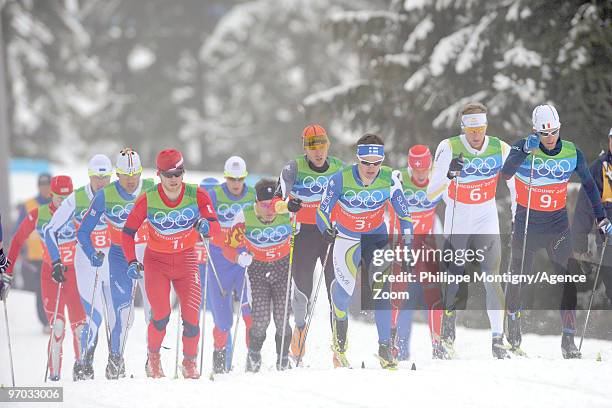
(177, 214)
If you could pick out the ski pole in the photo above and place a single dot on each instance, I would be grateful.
(310, 310)
(178, 335)
(603, 251)
(239, 313)
(203, 317)
(57, 298)
(8, 338)
(212, 265)
(106, 324)
(133, 295)
(527, 218)
(452, 227)
(91, 310)
(288, 291)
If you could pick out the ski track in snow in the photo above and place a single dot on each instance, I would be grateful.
(473, 380)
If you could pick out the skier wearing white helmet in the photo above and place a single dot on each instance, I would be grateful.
(542, 164)
(228, 199)
(73, 208)
(112, 205)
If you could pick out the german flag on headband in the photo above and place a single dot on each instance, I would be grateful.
(315, 137)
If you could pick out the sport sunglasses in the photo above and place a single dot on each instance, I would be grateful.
(554, 132)
(173, 173)
(368, 163)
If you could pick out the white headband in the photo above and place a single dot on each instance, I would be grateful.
(474, 120)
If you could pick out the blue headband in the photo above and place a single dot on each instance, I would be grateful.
(371, 150)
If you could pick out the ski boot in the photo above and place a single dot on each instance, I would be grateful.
(298, 346)
(498, 348)
(340, 343)
(189, 368)
(439, 352)
(219, 360)
(253, 363)
(77, 371)
(153, 366)
(448, 332)
(115, 368)
(385, 356)
(514, 333)
(282, 358)
(568, 347)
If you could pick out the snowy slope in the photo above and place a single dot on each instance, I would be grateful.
(474, 380)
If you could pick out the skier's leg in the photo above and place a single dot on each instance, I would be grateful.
(121, 286)
(54, 347)
(304, 261)
(278, 274)
(490, 246)
(260, 313)
(189, 292)
(157, 285)
(140, 249)
(76, 313)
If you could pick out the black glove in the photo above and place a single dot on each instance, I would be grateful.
(4, 263)
(329, 235)
(294, 205)
(58, 272)
(455, 167)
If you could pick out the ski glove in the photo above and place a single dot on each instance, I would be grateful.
(294, 205)
(329, 235)
(4, 263)
(58, 272)
(5, 285)
(605, 226)
(203, 227)
(245, 259)
(97, 259)
(135, 270)
(455, 167)
(531, 143)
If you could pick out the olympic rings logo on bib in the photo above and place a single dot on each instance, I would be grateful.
(174, 218)
(120, 212)
(364, 198)
(230, 211)
(66, 233)
(551, 167)
(315, 186)
(480, 166)
(416, 198)
(268, 235)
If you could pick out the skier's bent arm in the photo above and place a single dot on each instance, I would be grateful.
(286, 179)
(90, 220)
(330, 197)
(207, 211)
(28, 224)
(588, 184)
(506, 149)
(133, 222)
(61, 216)
(439, 181)
(514, 160)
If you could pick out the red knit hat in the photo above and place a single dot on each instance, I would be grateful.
(61, 185)
(419, 157)
(168, 160)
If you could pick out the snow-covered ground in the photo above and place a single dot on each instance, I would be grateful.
(473, 380)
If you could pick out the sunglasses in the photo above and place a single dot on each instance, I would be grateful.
(367, 163)
(172, 173)
(236, 178)
(548, 134)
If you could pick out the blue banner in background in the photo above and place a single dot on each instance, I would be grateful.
(29, 165)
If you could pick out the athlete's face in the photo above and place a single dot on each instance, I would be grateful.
(475, 136)
(317, 156)
(98, 182)
(549, 138)
(235, 185)
(129, 183)
(265, 210)
(172, 182)
(44, 190)
(57, 200)
(368, 168)
(420, 176)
